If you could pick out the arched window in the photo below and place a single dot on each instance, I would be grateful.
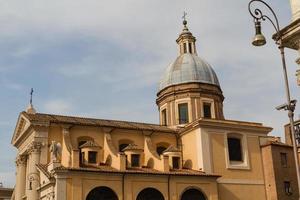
(193, 194)
(102, 193)
(160, 149)
(150, 194)
(124, 143)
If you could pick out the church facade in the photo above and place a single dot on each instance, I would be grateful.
(193, 154)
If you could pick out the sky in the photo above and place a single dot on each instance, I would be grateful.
(104, 59)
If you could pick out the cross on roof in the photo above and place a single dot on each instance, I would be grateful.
(184, 15)
(31, 93)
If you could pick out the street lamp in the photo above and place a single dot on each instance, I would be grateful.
(259, 40)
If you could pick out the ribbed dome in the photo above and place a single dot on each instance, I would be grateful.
(188, 68)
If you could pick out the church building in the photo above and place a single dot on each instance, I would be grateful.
(195, 153)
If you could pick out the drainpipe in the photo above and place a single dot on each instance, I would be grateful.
(169, 187)
(123, 186)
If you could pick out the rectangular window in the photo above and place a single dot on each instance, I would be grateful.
(206, 110)
(190, 47)
(164, 117)
(287, 188)
(135, 160)
(183, 113)
(92, 157)
(234, 149)
(175, 162)
(283, 159)
(184, 48)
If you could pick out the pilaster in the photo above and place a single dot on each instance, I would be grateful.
(21, 177)
(33, 177)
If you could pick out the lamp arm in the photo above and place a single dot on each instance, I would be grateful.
(257, 14)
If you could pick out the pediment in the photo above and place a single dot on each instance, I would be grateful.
(22, 125)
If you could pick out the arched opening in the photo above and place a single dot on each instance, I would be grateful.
(193, 194)
(150, 194)
(102, 193)
(123, 144)
(161, 147)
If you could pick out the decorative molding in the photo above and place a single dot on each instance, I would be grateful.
(35, 147)
(21, 160)
(241, 181)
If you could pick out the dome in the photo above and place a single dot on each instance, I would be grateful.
(188, 68)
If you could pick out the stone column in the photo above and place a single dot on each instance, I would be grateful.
(295, 5)
(33, 175)
(21, 177)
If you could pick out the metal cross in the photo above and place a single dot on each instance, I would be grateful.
(184, 15)
(31, 93)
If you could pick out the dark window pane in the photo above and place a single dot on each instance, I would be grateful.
(184, 48)
(183, 113)
(283, 158)
(82, 157)
(135, 160)
(235, 150)
(164, 117)
(287, 188)
(160, 150)
(175, 162)
(190, 47)
(207, 110)
(92, 157)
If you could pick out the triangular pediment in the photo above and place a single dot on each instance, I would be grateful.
(22, 125)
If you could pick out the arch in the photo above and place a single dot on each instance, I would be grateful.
(124, 143)
(161, 147)
(150, 194)
(193, 194)
(102, 193)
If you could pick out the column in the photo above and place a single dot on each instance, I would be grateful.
(33, 175)
(21, 177)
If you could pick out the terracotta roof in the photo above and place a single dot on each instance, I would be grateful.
(277, 144)
(50, 118)
(171, 149)
(146, 171)
(132, 147)
(89, 144)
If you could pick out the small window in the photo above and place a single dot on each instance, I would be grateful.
(160, 150)
(190, 47)
(164, 117)
(183, 113)
(92, 157)
(283, 159)
(234, 149)
(207, 110)
(184, 48)
(135, 160)
(122, 146)
(175, 162)
(287, 188)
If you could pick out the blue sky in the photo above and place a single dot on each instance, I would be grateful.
(100, 58)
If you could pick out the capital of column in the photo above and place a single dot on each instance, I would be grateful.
(21, 160)
(35, 147)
